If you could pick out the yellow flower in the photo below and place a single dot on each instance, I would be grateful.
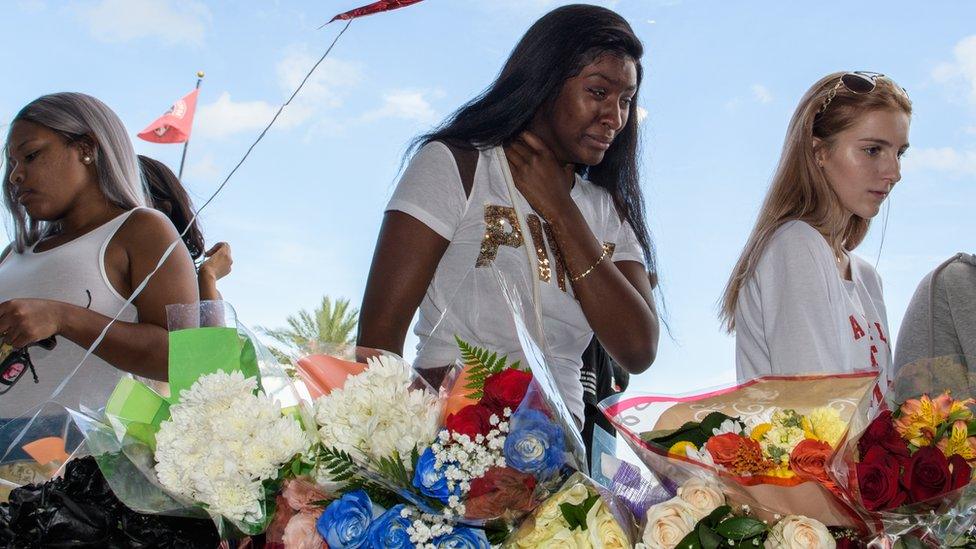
(547, 523)
(959, 442)
(679, 448)
(825, 425)
(780, 471)
(920, 417)
(759, 431)
(604, 531)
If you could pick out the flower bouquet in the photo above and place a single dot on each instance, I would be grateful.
(581, 514)
(766, 441)
(481, 451)
(909, 468)
(699, 517)
(219, 446)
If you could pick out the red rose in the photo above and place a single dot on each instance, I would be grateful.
(501, 489)
(927, 474)
(961, 472)
(809, 460)
(877, 479)
(881, 432)
(506, 389)
(472, 420)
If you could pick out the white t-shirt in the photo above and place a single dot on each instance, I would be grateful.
(464, 298)
(796, 315)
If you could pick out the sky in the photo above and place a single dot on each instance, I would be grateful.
(722, 80)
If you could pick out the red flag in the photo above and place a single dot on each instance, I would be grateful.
(375, 7)
(175, 125)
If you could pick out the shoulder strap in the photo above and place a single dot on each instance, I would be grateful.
(466, 158)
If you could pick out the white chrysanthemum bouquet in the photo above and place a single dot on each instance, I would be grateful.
(224, 443)
(382, 412)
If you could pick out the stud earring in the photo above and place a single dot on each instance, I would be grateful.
(86, 160)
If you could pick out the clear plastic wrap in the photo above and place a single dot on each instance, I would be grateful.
(494, 407)
(635, 415)
(581, 513)
(204, 339)
(944, 520)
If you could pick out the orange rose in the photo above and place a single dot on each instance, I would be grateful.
(809, 459)
(738, 454)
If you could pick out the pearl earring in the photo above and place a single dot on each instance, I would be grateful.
(86, 159)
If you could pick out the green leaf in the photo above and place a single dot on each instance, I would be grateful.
(690, 541)
(707, 537)
(497, 532)
(481, 364)
(575, 515)
(715, 517)
(712, 421)
(740, 528)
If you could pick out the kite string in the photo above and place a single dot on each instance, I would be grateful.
(142, 285)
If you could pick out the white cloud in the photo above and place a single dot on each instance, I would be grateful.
(173, 22)
(761, 93)
(405, 105)
(204, 170)
(946, 160)
(226, 117)
(325, 90)
(962, 68)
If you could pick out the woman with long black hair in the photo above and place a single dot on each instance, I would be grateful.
(538, 178)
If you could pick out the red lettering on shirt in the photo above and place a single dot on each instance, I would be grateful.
(877, 325)
(858, 331)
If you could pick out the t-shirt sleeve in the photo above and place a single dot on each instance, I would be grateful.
(430, 190)
(800, 320)
(627, 247)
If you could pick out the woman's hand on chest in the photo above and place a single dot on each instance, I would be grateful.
(539, 176)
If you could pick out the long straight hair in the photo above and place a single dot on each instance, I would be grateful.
(78, 117)
(170, 197)
(554, 49)
(800, 190)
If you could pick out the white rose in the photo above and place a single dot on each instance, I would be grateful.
(702, 495)
(796, 532)
(668, 523)
(604, 531)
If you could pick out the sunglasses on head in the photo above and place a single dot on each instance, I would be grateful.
(859, 82)
(14, 363)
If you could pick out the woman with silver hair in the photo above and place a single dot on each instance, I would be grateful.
(83, 242)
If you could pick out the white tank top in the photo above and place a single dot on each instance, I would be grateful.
(73, 273)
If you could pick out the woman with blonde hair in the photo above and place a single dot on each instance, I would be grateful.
(798, 300)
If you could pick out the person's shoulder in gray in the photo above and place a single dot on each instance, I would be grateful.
(941, 318)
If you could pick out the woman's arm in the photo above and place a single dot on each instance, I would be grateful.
(406, 256)
(616, 297)
(138, 347)
(216, 266)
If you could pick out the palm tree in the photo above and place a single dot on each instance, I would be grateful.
(330, 328)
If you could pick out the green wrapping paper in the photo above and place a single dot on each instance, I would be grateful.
(139, 409)
(197, 352)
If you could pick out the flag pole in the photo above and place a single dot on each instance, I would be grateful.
(187, 142)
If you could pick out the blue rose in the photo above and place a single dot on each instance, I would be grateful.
(390, 530)
(535, 444)
(463, 538)
(345, 522)
(430, 480)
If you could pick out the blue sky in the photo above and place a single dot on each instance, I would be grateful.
(722, 81)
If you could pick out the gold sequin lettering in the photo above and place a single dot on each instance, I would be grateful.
(557, 258)
(539, 243)
(501, 229)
